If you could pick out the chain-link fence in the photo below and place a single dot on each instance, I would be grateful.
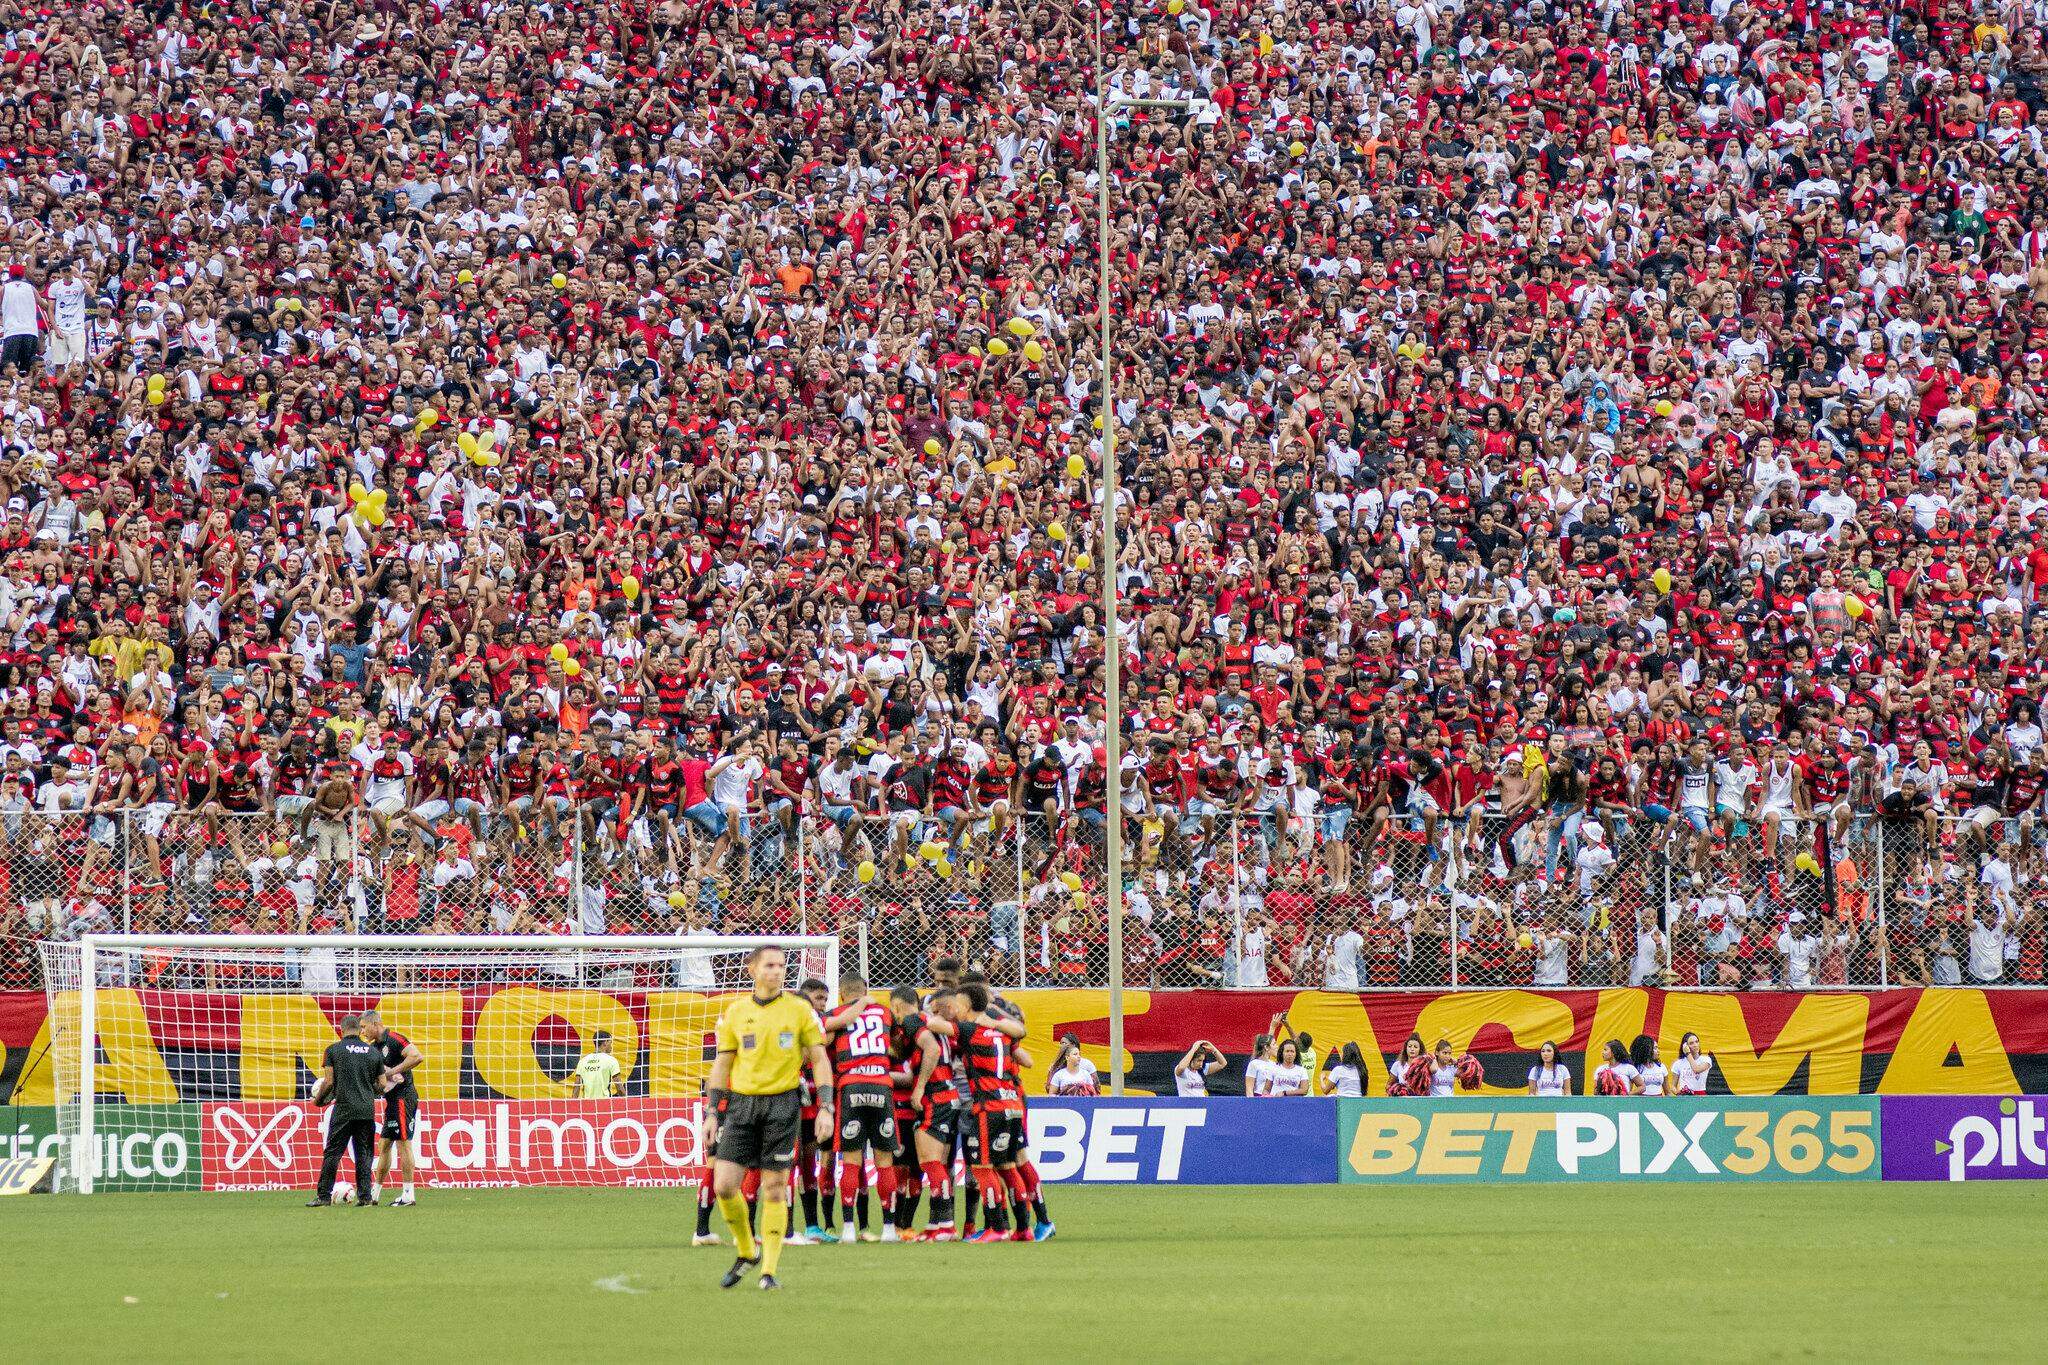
(1259, 898)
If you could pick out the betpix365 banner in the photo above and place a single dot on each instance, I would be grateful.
(1184, 1142)
(1478, 1140)
(1960, 1137)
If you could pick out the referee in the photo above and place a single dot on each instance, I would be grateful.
(349, 1076)
(763, 1042)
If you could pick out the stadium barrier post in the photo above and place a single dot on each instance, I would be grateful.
(863, 950)
(1236, 963)
(1884, 937)
(85, 1159)
(576, 871)
(1023, 905)
(127, 872)
(1664, 913)
(358, 873)
(1454, 944)
(803, 905)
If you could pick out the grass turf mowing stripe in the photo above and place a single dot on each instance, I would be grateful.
(1542, 1272)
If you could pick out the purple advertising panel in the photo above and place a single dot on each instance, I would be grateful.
(1943, 1137)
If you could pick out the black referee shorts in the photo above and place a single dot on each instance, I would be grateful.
(759, 1132)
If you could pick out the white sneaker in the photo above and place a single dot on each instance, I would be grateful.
(404, 1201)
(848, 1234)
(889, 1233)
(705, 1239)
(796, 1239)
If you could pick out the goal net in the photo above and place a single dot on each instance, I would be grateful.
(189, 1061)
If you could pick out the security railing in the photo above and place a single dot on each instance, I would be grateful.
(1232, 900)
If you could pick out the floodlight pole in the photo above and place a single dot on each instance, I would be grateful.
(1112, 656)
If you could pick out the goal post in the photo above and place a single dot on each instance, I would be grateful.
(187, 1061)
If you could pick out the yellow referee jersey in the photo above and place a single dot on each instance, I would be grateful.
(768, 1042)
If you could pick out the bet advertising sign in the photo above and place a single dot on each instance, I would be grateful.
(1184, 1142)
(1480, 1141)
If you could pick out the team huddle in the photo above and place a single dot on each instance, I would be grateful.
(906, 1086)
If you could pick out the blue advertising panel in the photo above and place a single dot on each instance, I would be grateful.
(1185, 1142)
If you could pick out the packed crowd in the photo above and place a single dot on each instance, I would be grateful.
(576, 468)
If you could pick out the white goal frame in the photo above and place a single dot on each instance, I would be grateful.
(90, 946)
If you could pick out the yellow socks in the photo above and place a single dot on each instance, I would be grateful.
(735, 1210)
(774, 1223)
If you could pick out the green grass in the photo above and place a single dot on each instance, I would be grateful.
(1529, 1272)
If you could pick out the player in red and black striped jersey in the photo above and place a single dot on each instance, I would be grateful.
(859, 1036)
(996, 1136)
(925, 1042)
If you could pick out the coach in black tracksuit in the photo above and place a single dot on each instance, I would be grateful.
(349, 1076)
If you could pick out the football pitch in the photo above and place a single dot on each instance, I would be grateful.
(1330, 1272)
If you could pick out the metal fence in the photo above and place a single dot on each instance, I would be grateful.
(1247, 900)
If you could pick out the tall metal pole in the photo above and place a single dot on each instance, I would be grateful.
(1112, 655)
(1112, 662)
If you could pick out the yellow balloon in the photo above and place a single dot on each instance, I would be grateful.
(156, 383)
(1661, 579)
(1807, 863)
(931, 850)
(156, 398)
(572, 669)
(1175, 6)
(1297, 148)
(1021, 328)
(1076, 466)
(932, 446)
(293, 306)
(998, 347)
(378, 498)
(1664, 407)
(1854, 606)
(1523, 941)
(943, 867)
(1084, 561)
(1034, 352)
(559, 653)
(560, 281)
(865, 872)
(280, 849)
(677, 900)
(1057, 532)
(466, 443)
(428, 417)
(488, 460)
(487, 438)
(361, 517)
(374, 514)
(468, 276)
(1080, 900)
(630, 586)
(1071, 880)
(1001, 464)
(356, 492)
(1265, 44)
(1098, 421)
